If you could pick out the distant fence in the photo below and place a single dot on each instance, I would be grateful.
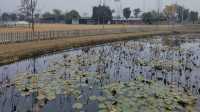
(13, 37)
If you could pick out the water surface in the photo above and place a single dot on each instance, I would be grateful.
(170, 60)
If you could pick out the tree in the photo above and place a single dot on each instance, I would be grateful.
(28, 9)
(37, 17)
(9, 17)
(182, 13)
(73, 14)
(193, 16)
(5, 16)
(198, 20)
(150, 17)
(127, 12)
(58, 16)
(136, 12)
(21, 17)
(113, 11)
(147, 17)
(102, 14)
(186, 14)
(13, 17)
(170, 12)
(176, 13)
(47, 16)
(179, 12)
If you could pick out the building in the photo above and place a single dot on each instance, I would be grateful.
(75, 21)
(131, 21)
(14, 24)
(22, 23)
(1, 24)
(87, 20)
(72, 21)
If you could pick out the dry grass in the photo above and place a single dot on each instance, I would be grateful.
(47, 27)
(17, 51)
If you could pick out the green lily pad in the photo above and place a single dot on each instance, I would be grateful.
(78, 106)
(93, 98)
(102, 106)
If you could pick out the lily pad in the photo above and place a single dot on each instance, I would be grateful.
(78, 106)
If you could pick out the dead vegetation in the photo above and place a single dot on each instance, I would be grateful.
(17, 51)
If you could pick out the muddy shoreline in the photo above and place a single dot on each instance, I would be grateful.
(14, 52)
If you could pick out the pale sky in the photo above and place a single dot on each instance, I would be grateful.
(85, 6)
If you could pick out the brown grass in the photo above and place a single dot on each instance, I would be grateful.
(17, 51)
(47, 27)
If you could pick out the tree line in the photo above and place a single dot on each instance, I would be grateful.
(171, 13)
(28, 11)
(55, 16)
(101, 14)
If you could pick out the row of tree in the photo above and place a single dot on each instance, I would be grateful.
(127, 12)
(171, 13)
(28, 12)
(55, 16)
(101, 14)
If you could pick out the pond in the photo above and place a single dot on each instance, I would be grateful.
(157, 74)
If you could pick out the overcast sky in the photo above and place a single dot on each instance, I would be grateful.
(85, 6)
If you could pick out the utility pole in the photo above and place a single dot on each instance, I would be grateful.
(182, 21)
(158, 11)
(0, 17)
(32, 15)
(175, 16)
(183, 10)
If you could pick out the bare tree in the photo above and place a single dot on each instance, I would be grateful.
(28, 8)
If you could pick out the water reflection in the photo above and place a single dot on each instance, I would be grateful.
(170, 60)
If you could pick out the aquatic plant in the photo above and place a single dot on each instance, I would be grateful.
(116, 78)
(138, 95)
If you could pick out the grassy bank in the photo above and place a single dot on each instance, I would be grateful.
(18, 51)
(47, 27)
(55, 27)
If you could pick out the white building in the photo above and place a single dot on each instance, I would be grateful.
(14, 24)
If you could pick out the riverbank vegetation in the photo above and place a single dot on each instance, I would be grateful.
(17, 51)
